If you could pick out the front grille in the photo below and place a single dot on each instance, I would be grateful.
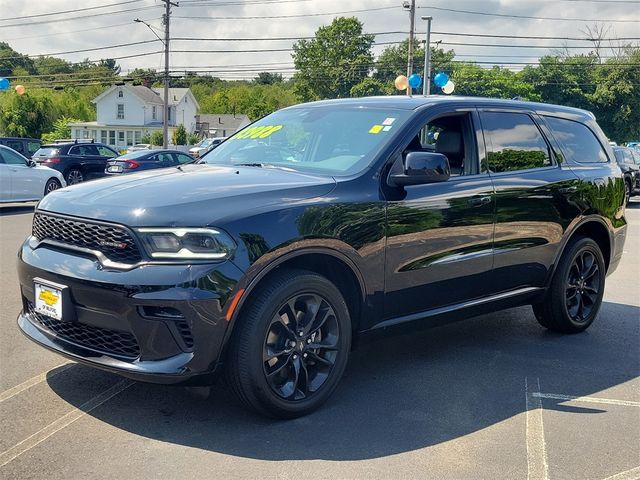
(113, 241)
(110, 342)
(185, 332)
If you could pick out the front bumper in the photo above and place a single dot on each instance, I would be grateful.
(155, 323)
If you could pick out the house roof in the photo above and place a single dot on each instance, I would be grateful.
(152, 95)
(225, 121)
(175, 94)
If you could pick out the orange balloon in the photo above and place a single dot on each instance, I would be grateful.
(20, 89)
(401, 82)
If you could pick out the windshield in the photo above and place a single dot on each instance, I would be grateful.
(331, 140)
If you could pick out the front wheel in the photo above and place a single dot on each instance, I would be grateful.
(291, 345)
(51, 185)
(574, 297)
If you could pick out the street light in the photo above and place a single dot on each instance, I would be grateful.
(426, 84)
(137, 20)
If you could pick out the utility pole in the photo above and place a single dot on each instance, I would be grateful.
(165, 115)
(426, 81)
(412, 20)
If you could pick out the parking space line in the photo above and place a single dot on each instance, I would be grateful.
(537, 467)
(64, 421)
(13, 391)
(633, 474)
(605, 401)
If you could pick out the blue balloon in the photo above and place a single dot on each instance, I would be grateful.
(4, 84)
(415, 80)
(441, 79)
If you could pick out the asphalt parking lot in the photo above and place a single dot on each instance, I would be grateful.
(491, 397)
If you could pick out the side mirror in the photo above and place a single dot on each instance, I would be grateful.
(31, 163)
(421, 168)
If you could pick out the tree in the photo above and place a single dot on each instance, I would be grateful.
(10, 59)
(61, 129)
(496, 82)
(179, 135)
(268, 78)
(336, 59)
(369, 87)
(156, 138)
(26, 116)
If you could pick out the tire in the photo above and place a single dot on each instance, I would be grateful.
(74, 176)
(51, 185)
(279, 367)
(627, 192)
(574, 297)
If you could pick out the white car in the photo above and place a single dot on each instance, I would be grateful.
(139, 146)
(22, 181)
(205, 145)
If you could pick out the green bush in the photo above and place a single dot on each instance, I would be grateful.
(179, 136)
(193, 138)
(156, 138)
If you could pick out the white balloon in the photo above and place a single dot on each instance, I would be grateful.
(449, 87)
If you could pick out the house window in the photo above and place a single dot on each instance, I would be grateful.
(169, 114)
(120, 111)
(120, 94)
(137, 136)
(103, 136)
(154, 113)
(129, 138)
(112, 137)
(120, 138)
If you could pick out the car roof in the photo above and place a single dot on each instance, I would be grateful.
(416, 102)
(21, 138)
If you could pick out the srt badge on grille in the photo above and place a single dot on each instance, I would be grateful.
(106, 243)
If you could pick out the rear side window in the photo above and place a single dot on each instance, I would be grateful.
(106, 152)
(32, 147)
(514, 142)
(577, 141)
(15, 144)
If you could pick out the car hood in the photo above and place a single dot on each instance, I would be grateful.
(192, 195)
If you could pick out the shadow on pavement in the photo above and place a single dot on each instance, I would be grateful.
(17, 209)
(400, 394)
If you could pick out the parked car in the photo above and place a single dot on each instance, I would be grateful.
(630, 171)
(206, 145)
(139, 146)
(321, 224)
(146, 160)
(77, 160)
(24, 146)
(22, 181)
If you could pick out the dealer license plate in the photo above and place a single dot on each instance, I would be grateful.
(48, 300)
(114, 169)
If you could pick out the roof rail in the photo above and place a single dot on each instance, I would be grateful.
(74, 140)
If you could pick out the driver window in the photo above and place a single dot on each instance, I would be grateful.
(452, 136)
(11, 158)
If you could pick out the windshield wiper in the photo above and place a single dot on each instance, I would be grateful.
(261, 165)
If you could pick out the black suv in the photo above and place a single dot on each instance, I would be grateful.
(630, 170)
(25, 146)
(320, 224)
(77, 160)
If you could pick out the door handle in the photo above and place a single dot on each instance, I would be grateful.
(565, 190)
(479, 201)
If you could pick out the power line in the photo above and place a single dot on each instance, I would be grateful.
(535, 37)
(471, 12)
(260, 17)
(95, 49)
(70, 32)
(257, 39)
(61, 12)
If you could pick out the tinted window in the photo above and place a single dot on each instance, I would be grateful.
(106, 152)
(165, 159)
(12, 158)
(84, 150)
(183, 158)
(33, 147)
(578, 142)
(514, 142)
(15, 144)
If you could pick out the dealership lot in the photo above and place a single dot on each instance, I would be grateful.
(491, 397)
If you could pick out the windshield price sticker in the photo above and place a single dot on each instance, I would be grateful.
(388, 121)
(257, 132)
(376, 129)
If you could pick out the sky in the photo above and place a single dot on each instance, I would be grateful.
(222, 19)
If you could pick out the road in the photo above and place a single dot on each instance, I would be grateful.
(491, 397)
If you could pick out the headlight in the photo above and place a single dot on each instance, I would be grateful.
(187, 243)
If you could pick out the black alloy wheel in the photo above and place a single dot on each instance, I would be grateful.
(573, 299)
(290, 344)
(51, 185)
(300, 346)
(627, 192)
(583, 284)
(74, 176)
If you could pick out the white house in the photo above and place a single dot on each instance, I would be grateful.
(125, 113)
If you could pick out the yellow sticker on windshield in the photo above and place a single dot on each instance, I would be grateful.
(257, 132)
(376, 129)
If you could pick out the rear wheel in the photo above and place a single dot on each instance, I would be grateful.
(291, 345)
(627, 191)
(74, 176)
(573, 300)
(51, 185)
